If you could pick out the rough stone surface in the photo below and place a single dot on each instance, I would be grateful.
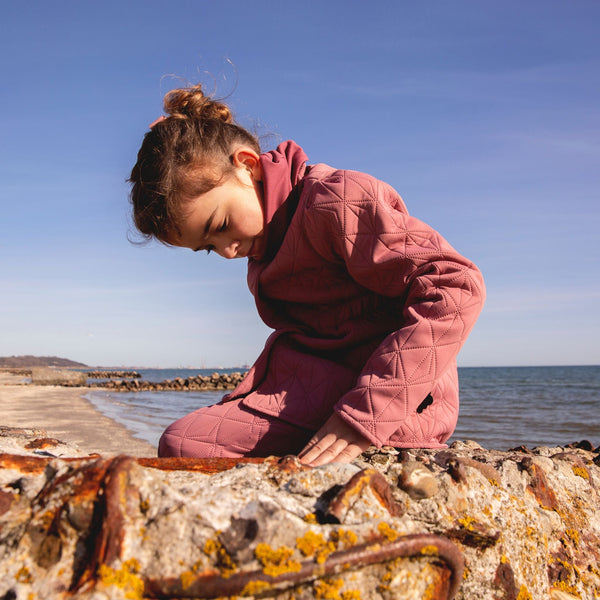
(392, 525)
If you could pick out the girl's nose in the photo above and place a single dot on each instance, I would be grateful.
(229, 249)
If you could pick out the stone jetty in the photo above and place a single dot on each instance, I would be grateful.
(462, 522)
(112, 374)
(198, 383)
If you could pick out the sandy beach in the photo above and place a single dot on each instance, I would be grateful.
(67, 416)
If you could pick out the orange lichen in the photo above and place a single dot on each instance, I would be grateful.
(276, 562)
(125, 578)
(310, 518)
(430, 550)
(387, 531)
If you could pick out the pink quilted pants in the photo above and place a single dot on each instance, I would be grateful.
(231, 430)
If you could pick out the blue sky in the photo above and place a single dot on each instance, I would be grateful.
(484, 115)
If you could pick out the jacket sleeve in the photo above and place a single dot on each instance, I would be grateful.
(440, 296)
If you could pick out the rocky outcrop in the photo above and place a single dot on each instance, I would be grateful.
(464, 522)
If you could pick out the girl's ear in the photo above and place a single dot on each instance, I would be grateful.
(247, 158)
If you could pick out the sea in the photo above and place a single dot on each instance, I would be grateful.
(500, 407)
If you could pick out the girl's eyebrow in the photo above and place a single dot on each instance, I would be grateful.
(207, 228)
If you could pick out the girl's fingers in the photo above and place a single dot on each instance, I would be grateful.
(336, 441)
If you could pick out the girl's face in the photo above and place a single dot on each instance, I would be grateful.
(227, 219)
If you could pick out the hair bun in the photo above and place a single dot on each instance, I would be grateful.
(191, 102)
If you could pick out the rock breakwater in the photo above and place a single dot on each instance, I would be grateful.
(463, 522)
(216, 381)
(112, 374)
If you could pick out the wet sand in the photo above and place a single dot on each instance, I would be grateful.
(67, 416)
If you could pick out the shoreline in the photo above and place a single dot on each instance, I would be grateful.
(65, 414)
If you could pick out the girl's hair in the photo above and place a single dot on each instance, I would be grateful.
(183, 155)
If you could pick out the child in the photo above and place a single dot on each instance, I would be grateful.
(369, 306)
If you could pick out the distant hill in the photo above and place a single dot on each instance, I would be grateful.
(37, 361)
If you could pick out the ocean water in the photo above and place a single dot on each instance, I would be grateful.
(501, 407)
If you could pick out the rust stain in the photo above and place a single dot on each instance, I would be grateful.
(352, 490)
(539, 486)
(41, 443)
(504, 582)
(6, 500)
(201, 465)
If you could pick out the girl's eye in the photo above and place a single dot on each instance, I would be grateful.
(223, 226)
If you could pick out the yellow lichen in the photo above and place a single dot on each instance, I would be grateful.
(467, 523)
(503, 559)
(255, 587)
(573, 535)
(351, 595)
(328, 589)
(524, 594)
(310, 518)
(225, 563)
(276, 562)
(581, 472)
(314, 544)
(430, 550)
(565, 587)
(343, 537)
(125, 578)
(187, 578)
(390, 569)
(387, 532)
(210, 547)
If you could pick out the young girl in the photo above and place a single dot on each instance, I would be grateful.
(369, 305)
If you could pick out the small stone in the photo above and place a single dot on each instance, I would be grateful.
(418, 481)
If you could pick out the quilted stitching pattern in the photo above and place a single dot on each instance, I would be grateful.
(357, 277)
(230, 430)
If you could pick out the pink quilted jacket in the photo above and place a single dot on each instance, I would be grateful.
(370, 307)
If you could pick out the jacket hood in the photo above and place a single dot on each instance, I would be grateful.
(282, 170)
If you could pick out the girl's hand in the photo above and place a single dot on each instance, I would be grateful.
(336, 441)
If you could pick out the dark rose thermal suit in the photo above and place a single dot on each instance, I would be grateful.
(370, 308)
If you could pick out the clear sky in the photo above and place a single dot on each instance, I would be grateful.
(484, 115)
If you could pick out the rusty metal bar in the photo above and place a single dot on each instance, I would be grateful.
(214, 585)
